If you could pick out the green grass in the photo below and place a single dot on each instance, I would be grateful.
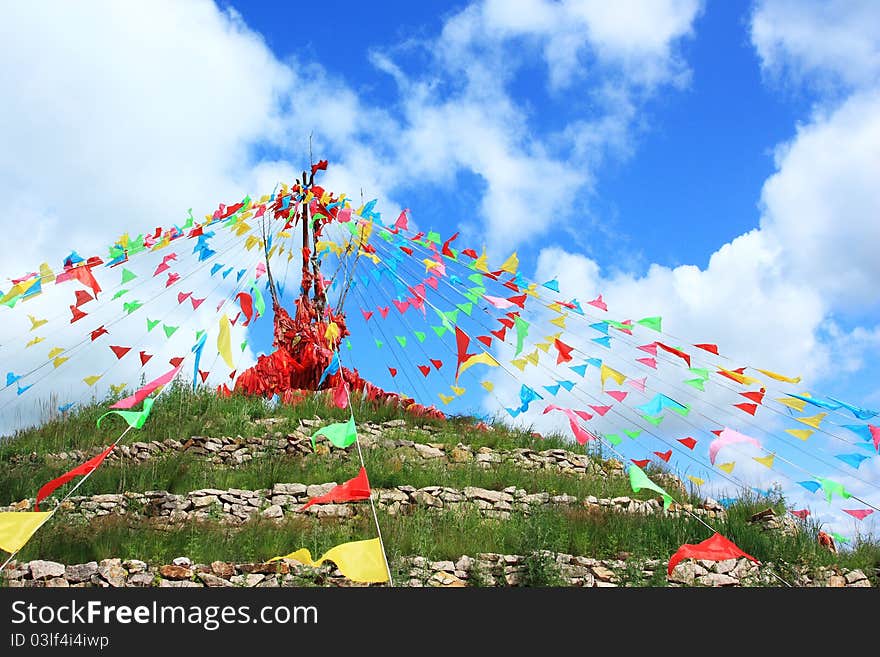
(182, 473)
(180, 412)
(435, 536)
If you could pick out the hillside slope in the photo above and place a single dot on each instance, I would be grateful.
(211, 488)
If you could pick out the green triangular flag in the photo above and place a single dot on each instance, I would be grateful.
(401, 339)
(653, 419)
(433, 236)
(439, 330)
(451, 315)
(127, 276)
(476, 278)
(473, 296)
(651, 322)
(378, 343)
(341, 434)
(259, 302)
(131, 306)
(169, 330)
(466, 308)
(189, 220)
(701, 372)
(419, 335)
(199, 334)
(151, 324)
(696, 383)
(348, 344)
(522, 330)
(119, 294)
(832, 487)
(682, 410)
(614, 439)
(243, 345)
(634, 433)
(135, 419)
(639, 480)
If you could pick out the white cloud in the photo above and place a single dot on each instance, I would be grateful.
(832, 45)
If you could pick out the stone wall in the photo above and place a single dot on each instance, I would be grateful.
(540, 569)
(236, 505)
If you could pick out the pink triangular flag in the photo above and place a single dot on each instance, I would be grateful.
(598, 303)
(650, 362)
(619, 395)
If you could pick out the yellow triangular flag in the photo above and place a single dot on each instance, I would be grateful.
(543, 346)
(813, 420)
(117, 388)
(332, 332)
(803, 434)
(555, 307)
(252, 241)
(480, 263)
(46, 273)
(488, 385)
(59, 360)
(36, 340)
(533, 357)
(446, 398)
(532, 290)
(766, 461)
(511, 264)
(359, 561)
(559, 321)
(779, 377)
(519, 363)
(16, 527)
(93, 379)
(736, 376)
(224, 343)
(697, 480)
(484, 358)
(457, 390)
(606, 372)
(727, 467)
(55, 351)
(36, 323)
(793, 402)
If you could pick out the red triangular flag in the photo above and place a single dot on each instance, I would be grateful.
(436, 363)
(678, 352)
(564, 351)
(461, 341)
(688, 442)
(583, 415)
(747, 407)
(120, 351)
(518, 300)
(384, 311)
(424, 369)
(485, 339)
(84, 469)
(145, 357)
(717, 432)
(408, 251)
(470, 253)
(665, 455)
(77, 314)
(393, 371)
(98, 332)
(204, 375)
(711, 348)
(642, 463)
(500, 333)
(196, 302)
(367, 314)
(177, 360)
(162, 267)
(350, 491)
(859, 514)
(757, 397)
(182, 296)
(508, 323)
(601, 410)
(83, 297)
(715, 548)
(802, 514)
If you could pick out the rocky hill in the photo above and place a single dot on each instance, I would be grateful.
(459, 503)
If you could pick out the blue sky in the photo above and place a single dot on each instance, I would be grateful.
(711, 162)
